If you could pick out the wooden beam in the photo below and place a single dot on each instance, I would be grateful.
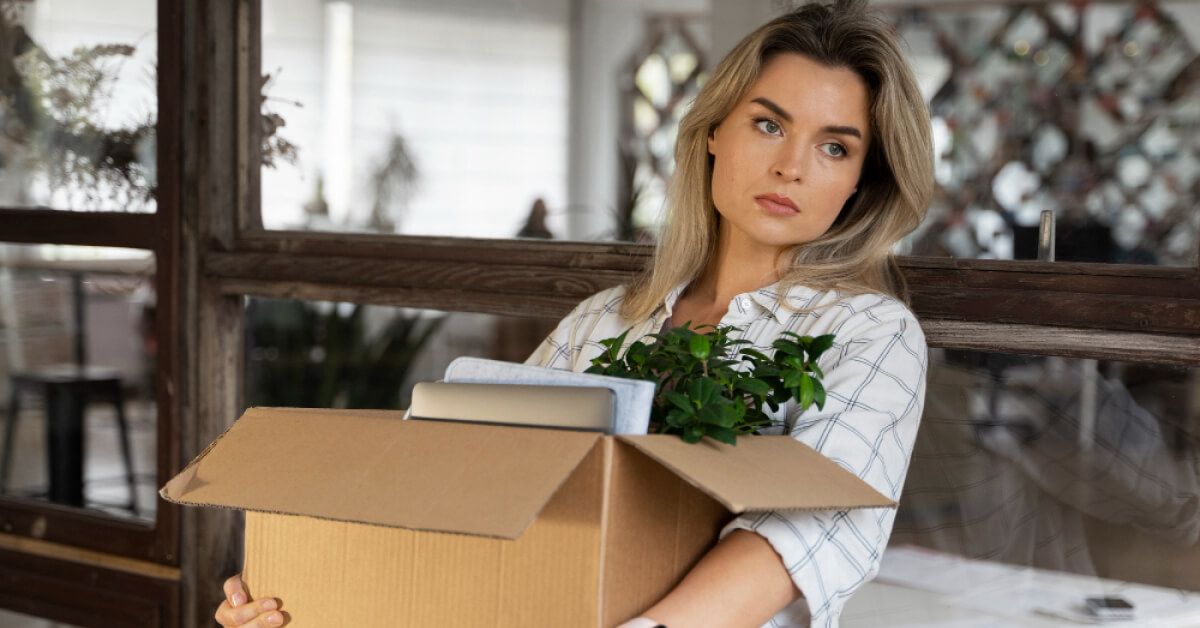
(632, 257)
(447, 300)
(621, 256)
(214, 536)
(1063, 341)
(210, 322)
(49, 226)
(1036, 268)
(40, 519)
(477, 275)
(248, 115)
(169, 367)
(1150, 314)
(85, 594)
(72, 553)
(978, 336)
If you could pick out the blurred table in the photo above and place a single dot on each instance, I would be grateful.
(921, 587)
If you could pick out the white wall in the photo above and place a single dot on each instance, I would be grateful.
(479, 91)
(607, 33)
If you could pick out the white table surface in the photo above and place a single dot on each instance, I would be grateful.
(919, 587)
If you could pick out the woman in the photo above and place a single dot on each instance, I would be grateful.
(803, 160)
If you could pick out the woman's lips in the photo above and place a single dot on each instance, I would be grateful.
(777, 205)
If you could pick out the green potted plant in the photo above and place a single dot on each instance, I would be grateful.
(708, 384)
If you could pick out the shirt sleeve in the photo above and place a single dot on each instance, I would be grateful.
(875, 384)
(560, 350)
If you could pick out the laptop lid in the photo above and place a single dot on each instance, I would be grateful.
(570, 407)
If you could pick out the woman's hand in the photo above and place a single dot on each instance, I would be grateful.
(239, 610)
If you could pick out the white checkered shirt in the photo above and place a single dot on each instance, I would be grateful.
(875, 380)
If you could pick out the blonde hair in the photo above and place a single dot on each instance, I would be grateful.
(855, 254)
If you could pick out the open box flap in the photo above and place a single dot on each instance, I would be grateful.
(371, 467)
(761, 473)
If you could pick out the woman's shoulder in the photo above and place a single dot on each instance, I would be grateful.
(840, 312)
(603, 304)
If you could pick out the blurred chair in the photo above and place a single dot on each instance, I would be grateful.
(67, 390)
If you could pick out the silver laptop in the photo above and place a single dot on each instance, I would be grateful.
(569, 407)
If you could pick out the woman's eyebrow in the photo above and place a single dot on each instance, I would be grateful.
(779, 111)
(776, 109)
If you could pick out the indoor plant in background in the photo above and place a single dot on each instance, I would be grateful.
(708, 384)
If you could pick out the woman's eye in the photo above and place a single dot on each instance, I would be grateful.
(767, 126)
(834, 150)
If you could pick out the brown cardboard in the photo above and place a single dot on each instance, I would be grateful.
(373, 467)
(415, 523)
(761, 473)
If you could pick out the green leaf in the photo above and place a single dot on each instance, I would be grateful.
(680, 401)
(677, 419)
(806, 391)
(820, 345)
(753, 386)
(756, 354)
(812, 366)
(788, 347)
(723, 434)
(700, 347)
(614, 349)
(702, 390)
(693, 434)
(724, 416)
(819, 395)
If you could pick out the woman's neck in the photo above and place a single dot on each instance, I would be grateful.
(738, 266)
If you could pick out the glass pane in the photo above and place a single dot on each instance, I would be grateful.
(1106, 139)
(319, 354)
(452, 118)
(77, 365)
(389, 122)
(78, 104)
(12, 619)
(1085, 471)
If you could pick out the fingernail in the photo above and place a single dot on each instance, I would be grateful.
(269, 604)
(239, 599)
(275, 618)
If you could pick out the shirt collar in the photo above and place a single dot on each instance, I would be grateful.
(766, 298)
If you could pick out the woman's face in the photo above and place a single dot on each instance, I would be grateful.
(790, 153)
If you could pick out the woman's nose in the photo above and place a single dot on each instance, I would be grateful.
(789, 164)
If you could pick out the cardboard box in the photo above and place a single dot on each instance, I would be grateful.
(357, 518)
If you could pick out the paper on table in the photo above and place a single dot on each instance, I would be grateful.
(632, 398)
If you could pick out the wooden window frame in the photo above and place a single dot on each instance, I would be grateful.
(1102, 311)
(156, 232)
(85, 567)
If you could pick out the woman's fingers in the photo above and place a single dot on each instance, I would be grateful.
(235, 593)
(262, 613)
(273, 619)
